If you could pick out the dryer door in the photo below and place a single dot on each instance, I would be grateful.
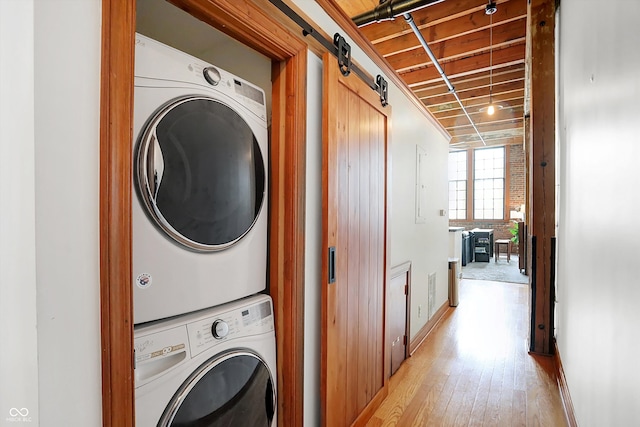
(232, 389)
(200, 173)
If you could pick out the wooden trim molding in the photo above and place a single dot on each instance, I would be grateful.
(255, 27)
(422, 334)
(372, 406)
(567, 403)
(116, 311)
(286, 246)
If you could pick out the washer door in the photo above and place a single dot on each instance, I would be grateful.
(233, 389)
(200, 173)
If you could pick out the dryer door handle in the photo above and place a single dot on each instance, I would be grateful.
(155, 166)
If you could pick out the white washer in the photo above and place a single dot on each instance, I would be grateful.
(216, 367)
(200, 182)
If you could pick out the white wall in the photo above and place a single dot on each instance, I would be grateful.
(598, 285)
(50, 56)
(67, 135)
(313, 243)
(425, 244)
(18, 333)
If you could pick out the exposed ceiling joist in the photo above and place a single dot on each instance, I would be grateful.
(469, 45)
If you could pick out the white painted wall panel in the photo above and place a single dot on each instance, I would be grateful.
(313, 242)
(18, 333)
(598, 286)
(67, 137)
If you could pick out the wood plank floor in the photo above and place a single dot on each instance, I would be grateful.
(474, 368)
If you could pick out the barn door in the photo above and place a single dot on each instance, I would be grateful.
(354, 237)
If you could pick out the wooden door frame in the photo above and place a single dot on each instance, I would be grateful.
(257, 28)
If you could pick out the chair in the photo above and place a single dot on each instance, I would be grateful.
(498, 244)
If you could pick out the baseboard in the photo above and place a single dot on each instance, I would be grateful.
(428, 327)
(567, 404)
(372, 407)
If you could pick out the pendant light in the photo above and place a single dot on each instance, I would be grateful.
(490, 9)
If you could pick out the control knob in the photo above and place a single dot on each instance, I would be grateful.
(219, 329)
(212, 75)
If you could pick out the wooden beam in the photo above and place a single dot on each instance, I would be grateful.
(463, 84)
(452, 114)
(505, 122)
(481, 92)
(467, 66)
(495, 142)
(468, 44)
(489, 136)
(514, 97)
(432, 15)
(542, 170)
(481, 117)
(490, 131)
(459, 27)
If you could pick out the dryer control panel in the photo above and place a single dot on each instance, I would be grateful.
(184, 69)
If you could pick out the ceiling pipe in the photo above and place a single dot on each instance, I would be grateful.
(388, 10)
(425, 46)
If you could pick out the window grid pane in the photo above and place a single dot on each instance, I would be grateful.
(488, 183)
(458, 185)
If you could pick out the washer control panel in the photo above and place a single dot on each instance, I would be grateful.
(237, 322)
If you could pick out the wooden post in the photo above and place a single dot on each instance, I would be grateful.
(542, 173)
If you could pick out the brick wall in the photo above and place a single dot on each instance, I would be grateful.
(515, 197)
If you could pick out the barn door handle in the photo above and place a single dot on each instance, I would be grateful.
(332, 264)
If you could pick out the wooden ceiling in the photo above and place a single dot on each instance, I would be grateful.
(458, 33)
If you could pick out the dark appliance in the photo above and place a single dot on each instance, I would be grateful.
(467, 248)
(483, 244)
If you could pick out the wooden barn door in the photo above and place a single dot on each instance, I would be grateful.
(354, 237)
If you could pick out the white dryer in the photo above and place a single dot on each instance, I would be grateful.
(216, 367)
(199, 216)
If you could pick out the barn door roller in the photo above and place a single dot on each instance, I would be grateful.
(340, 49)
(344, 54)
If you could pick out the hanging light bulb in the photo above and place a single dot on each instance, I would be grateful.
(490, 10)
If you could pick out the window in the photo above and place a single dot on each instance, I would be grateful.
(458, 185)
(488, 183)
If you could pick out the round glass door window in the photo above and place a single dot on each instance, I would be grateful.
(200, 173)
(235, 389)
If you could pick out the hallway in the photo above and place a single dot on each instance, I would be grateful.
(474, 368)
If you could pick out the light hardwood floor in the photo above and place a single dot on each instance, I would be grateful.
(474, 368)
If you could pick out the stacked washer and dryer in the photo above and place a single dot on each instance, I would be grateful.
(204, 333)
